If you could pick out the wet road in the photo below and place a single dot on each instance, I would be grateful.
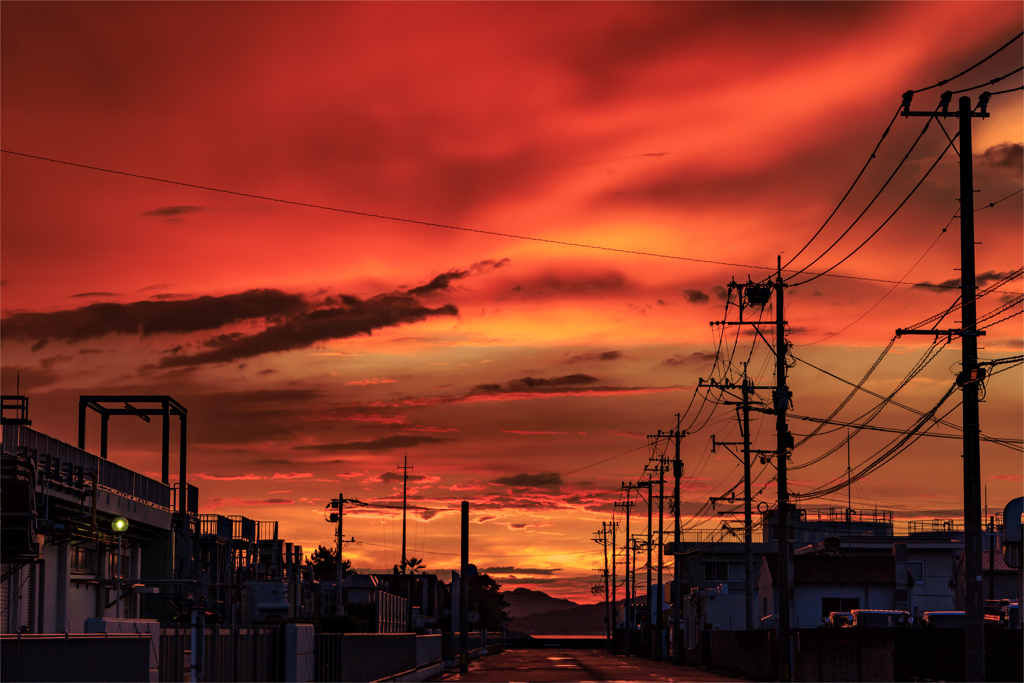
(555, 664)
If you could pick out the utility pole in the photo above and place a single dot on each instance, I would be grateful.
(677, 579)
(661, 557)
(971, 376)
(615, 599)
(626, 616)
(607, 603)
(339, 575)
(650, 601)
(758, 294)
(748, 519)
(405, 485)
(784, 442)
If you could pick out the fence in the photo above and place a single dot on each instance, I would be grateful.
(228, 654)
(363, 656)
(79, 657)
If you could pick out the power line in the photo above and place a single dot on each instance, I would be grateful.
(971, 68)
(884, 223)
(446, 226)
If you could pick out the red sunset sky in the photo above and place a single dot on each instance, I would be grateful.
(313, 348)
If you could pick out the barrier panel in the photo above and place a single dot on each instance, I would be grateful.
(79, 657)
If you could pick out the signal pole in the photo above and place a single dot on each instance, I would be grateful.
(971, 376)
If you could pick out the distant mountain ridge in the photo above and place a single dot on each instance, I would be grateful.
(579, 620)
(524, 602)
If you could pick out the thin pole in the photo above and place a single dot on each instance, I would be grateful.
(974, 634)
(464, 593)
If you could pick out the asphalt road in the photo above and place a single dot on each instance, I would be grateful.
(555, 664)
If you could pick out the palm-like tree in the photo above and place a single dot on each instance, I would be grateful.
(414, 564)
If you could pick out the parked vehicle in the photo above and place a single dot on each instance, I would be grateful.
(1010, 615)
(880, 618)
(944, 620)
(837, 619)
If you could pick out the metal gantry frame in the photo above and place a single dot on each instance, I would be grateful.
(166, 407)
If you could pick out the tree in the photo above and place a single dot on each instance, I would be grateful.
(324, 562)
(485, 598)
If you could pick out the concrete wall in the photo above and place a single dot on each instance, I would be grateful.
(299, 653)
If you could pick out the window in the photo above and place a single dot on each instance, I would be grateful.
(716, 571)
(83, 560)
(738, 572)
(916, 570)
(112, 567)
(829, 605)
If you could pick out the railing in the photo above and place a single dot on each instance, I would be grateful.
(109, 475)
(243, 528)
(215, 525)
(934, 526)
(844, 515)
(267, 531)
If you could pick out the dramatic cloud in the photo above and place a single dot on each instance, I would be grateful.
(596, 356)
(172, 211)
(981, 278)
(395, 476)
(697, 357)
(521, 570)
(341, 317)
(1007, 156)
(227, 477)
(387, 443)
(151, 317)
(550, 480)
(537, 384)
(695, 296)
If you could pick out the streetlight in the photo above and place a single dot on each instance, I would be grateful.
(119, 526)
